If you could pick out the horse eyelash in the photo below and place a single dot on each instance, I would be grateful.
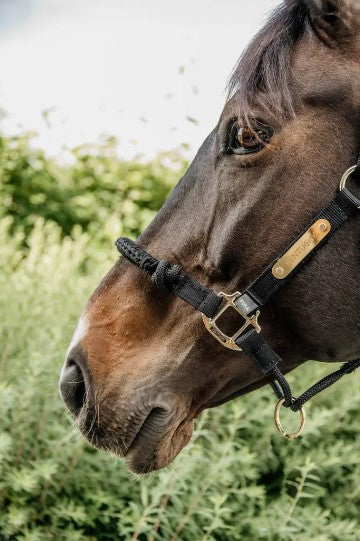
(254, 124)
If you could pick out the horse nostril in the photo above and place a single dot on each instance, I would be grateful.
(73, 384)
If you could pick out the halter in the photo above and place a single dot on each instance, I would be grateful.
(248, 338)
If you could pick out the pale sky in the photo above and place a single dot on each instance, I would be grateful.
(136, 69)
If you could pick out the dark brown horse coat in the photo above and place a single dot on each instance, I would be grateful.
(144, 363)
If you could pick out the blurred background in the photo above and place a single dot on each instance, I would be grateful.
(153, 74)
(103, 104)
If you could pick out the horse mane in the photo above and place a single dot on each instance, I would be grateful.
(262, 72)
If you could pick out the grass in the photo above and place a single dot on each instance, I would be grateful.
(237, 480)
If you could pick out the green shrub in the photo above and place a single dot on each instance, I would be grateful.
(97, 191)
(238, 480)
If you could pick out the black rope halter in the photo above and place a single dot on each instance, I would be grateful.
(248, 338)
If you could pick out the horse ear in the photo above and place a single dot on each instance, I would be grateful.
(334, 20)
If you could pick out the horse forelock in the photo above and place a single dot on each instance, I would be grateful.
(262, 72)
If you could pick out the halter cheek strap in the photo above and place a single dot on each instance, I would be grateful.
(248, 338)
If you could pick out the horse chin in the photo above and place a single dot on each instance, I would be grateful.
(152, 447)
(146, 455)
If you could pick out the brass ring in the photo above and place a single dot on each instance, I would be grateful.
(345, 177)
(279, 426)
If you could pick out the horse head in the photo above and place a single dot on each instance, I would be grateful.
(141, 365)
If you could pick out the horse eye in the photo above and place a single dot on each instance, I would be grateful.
(248, 139)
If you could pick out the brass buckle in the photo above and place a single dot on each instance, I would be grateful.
(345, 177)
(229, 341)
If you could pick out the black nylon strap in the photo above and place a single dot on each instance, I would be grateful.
(169, 277)
(200, 297)
(253, 344)
(263, 288)
(266, 360)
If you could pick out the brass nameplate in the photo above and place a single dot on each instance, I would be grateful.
(302, 247)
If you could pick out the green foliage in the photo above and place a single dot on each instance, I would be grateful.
(237, 480)
(96, 191)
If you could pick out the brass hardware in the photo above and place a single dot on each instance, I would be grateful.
(278, 425)
(302, 247)
(229, 341)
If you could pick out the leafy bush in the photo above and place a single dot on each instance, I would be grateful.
(96, 192)
(238, 480)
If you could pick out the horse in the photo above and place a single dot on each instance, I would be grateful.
(141, 365)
